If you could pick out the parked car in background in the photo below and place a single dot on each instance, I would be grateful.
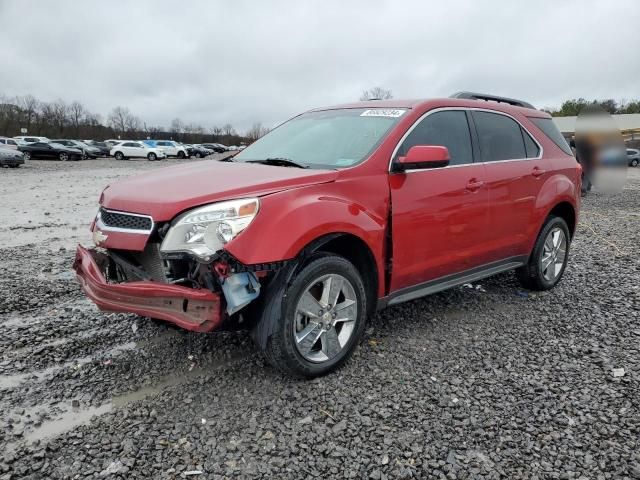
(112, 142)
(633, 155)
(335, 214)
(10, 157)
(199, 151)
(6, 142)
(216, 147)
(136, 150)
(31, 139)
(50, 151)
(169, 147)
(88, 151)
(104, 148)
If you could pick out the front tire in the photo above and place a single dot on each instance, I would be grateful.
(63, 157)
(634, 162)
(323, 318)
(152, 157)
(181, 155)
(549, 257)
(27, 155)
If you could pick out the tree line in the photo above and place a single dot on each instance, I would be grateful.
(59, 119)
(573, 107)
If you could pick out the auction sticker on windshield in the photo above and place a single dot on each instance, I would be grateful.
(379, 112)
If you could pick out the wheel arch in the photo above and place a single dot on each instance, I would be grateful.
(357, 251)
(567, 212)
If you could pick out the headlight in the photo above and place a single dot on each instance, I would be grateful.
(203, 231)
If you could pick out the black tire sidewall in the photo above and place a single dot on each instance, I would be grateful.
(536, 255)
(317, 267)
(634, 163)
(119, 156)
(152, 157)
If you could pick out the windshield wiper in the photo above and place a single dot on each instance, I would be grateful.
(280, 162)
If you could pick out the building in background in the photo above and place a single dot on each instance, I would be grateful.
(628, 123)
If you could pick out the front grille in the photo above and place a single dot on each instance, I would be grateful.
(125, 220)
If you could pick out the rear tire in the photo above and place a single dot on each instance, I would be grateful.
(548, 260)
(634, 162)
(27, 155)
(316, 343)
(119, 156)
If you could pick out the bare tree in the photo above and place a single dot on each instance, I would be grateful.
(256, 131)
(29, 106)
(118, 119)
(228, 130)
(60, 115)
(76, 113)
(133, 123)
(177, 127)
(376, 93)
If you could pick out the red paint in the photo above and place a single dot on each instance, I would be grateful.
(443, 220)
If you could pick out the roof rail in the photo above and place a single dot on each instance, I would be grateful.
(491, 98)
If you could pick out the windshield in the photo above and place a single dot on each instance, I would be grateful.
(325, 139)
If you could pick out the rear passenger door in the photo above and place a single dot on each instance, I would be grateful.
(439, 215)
(515, 173)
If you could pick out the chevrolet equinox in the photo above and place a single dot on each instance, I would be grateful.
(334, 214)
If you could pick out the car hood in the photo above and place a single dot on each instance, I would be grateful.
(166, 192)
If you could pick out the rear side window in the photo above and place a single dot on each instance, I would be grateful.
(499, 136)
(449, 129)
(532, 148)
(550, 130)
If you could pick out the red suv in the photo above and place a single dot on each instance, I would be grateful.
(336, 213)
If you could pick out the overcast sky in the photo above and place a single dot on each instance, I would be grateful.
(213, 62)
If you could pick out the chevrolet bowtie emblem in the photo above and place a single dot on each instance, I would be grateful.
(99, 237)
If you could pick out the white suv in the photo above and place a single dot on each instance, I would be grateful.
(30, 139)
(136, 150)
(172, 149)
(9, 143)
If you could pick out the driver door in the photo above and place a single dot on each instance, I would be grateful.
(439, 215)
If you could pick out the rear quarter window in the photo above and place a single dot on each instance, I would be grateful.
(549, 128)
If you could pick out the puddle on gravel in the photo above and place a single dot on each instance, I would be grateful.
(72, 417)
(13, 381)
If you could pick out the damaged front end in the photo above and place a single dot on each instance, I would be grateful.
(177, 271)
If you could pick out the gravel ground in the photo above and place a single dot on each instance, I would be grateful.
(481, 382)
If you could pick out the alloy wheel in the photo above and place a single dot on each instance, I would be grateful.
(554, 254)
(64, 157)
(27, 156)
(326, 315)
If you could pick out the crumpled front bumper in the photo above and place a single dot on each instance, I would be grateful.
(191, 309)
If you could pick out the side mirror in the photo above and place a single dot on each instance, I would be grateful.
(424, 156)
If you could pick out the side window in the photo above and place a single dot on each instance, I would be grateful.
(447, 128)
(129, 144)
(499, 136)
(531, 147)
(11, 142)
(162, 144)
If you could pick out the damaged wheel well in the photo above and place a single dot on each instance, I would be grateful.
(358, 253)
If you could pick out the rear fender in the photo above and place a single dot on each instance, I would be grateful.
(557, 189)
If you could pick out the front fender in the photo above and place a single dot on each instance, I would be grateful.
(290, 220)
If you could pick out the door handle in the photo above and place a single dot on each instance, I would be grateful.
(474, 184)
(538, 172)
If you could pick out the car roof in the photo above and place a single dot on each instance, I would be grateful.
(425, 104)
